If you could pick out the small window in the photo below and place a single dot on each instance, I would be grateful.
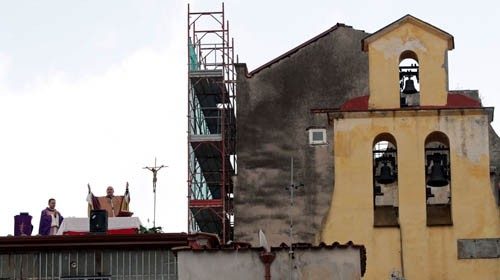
(317, 136)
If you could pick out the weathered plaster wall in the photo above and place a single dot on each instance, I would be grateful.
(428, 252)
(338, 264)
(318, 264)
(273, 115)
(384, 54)
(244, 265)
(495, 165)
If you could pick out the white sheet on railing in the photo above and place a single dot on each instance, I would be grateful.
(82, 224)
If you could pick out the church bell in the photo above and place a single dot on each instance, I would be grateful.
(386, 175)
(409, 87)
(437, 177)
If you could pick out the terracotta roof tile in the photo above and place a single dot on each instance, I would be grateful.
(454, 100)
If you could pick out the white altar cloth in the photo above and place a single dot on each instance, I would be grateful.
(82, 224)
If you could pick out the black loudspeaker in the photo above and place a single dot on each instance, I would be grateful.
(98, 221)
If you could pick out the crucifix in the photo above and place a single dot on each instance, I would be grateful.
(155, 170)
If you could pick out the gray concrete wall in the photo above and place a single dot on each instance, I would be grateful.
(308, 264)
(495, 164)
(318, 264)
(273, 115)
(243, 265)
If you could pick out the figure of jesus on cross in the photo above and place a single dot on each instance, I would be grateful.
(155, 170)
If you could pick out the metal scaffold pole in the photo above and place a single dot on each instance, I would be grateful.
(292, 187)
(211, 123)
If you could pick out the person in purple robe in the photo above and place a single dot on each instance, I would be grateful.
(50, 219)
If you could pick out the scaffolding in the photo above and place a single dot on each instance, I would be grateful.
(212, 124)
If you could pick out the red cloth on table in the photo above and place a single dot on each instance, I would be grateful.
(109, 232)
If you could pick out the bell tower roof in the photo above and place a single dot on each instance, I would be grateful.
(408, 19)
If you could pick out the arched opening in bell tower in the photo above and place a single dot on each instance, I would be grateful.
(409, 79)
(385, 180)
(438, 179)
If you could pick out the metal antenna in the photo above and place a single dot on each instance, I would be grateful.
(291, 188)
(155, 170)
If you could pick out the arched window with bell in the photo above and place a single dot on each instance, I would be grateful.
(385, 180)
(409, 79)
(438, 179)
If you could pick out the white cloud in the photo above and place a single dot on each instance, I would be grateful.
(107, 41)
(4, 66)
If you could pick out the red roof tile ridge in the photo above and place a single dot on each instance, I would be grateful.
(454, 100)
(356, 103)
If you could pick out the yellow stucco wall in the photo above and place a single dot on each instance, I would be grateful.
(429, 252)
(384, 54)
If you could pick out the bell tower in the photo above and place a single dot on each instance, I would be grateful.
(393, 81)
(412, 164)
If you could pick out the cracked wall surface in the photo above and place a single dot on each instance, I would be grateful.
(273, 115)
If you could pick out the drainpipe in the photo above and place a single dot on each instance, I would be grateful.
(401, 246)
(267, 258)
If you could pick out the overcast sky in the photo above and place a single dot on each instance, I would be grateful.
(92, 91)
